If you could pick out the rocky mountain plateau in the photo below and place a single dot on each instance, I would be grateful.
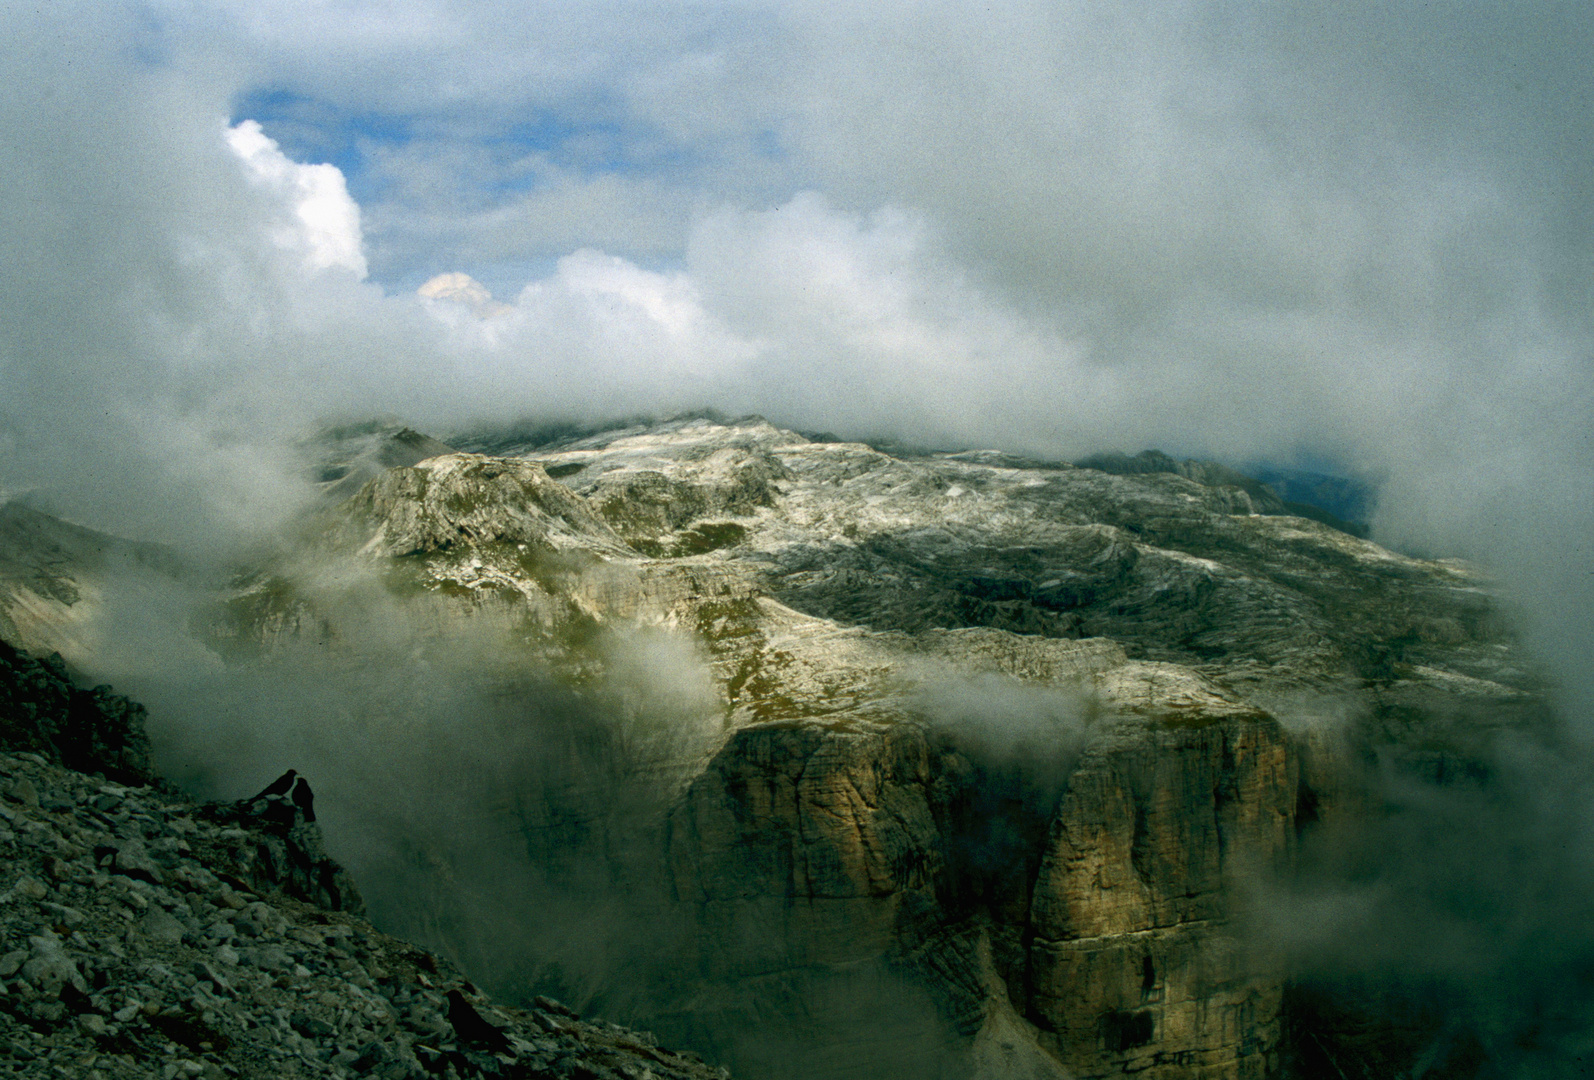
(816, 759)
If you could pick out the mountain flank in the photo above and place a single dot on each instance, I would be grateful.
(828, 761)
(145, 935)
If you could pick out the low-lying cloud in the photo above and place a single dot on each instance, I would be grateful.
(1353, 234)
(1217, 232)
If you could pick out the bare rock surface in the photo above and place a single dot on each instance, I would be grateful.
(55, 578)
(91, 730)
(144, 935)
(345, 458)
(998, 741)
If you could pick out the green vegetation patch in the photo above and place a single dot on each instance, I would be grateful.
(720, 621)
(405, 576)
(698, 540)
(709, 536)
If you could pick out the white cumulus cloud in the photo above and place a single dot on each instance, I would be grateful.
(464, 290)
(325, 222)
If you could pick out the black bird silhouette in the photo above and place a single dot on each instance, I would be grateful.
(304, 798)
(279, 786)
(471, 1028)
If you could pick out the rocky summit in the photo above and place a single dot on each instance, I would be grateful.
(873, 764)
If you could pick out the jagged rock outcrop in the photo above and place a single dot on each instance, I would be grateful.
(469, 500)
(42, 710)
(143, 935)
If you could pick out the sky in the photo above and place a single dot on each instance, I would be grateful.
(1352, 234)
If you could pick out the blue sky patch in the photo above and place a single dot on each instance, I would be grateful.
(313, 131)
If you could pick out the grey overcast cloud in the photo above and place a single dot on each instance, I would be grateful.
(1351, 236)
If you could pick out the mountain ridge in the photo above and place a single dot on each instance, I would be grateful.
(997, 746)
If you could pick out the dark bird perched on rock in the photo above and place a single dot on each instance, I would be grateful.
(304, 798)
(283, 798)
(279, 786)
(471, 1028)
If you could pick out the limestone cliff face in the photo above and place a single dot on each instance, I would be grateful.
(809, 842)
(1007, 742)
(833, 845)
(1130, 967)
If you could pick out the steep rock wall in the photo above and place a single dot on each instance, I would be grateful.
(1130, 967)
(810, 846)
(802, 844)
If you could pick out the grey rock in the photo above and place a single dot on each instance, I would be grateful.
(260, 920)
(273, 958)
(310, 1026)
(67, 916)
(45, 1011)
(49, 968)
(159, 926)
(204, 971)
(30, 888)
(432, 505)
(133, 860)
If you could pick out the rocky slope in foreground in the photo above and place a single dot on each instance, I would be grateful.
(990, 769)
(143, 935)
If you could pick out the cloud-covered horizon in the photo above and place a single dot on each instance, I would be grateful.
(1354, 235)
(1343, 233)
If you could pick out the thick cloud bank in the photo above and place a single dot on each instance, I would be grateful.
(1354, 236)
(1358, 236)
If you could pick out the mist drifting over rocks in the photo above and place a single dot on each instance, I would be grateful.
(1186, 232)
(817, 758)
(1349, 240)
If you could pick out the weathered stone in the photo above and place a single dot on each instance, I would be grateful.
(30, 888)
(160, 926)
(466, 498)
(807, 839)
(66, 916)
(133, 860)
(49, 968)
(41, 709)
